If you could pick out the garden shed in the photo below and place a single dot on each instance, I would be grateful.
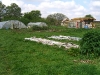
(40, 24)
(12, 24)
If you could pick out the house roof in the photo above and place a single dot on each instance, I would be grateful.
(83, 18)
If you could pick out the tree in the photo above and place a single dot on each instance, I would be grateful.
(24, 20)
(57, 17)
(89, 18)
(2, 10)
(13, 11)
(51, 21)
(33, 16)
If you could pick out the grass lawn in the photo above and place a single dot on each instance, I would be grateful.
(20, 57)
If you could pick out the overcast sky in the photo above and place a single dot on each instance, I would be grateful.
(70, 8)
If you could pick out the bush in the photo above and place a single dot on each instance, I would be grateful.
(39, 27)
(90, 44)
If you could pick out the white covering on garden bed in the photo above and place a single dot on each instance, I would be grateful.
(51, 42)
(61, 37)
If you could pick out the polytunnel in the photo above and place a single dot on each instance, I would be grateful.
(12, 24)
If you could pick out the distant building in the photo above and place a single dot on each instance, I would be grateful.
(80, 22)
(65, 22)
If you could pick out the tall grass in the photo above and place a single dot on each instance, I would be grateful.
(20, 57)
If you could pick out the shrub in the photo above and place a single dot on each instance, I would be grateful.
(90, 44)
(39, 27)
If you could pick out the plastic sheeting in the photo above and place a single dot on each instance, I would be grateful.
(52, 42)
(40, 24)
(12, 24)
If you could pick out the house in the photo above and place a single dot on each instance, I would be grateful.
(65, 22)
(80, 22)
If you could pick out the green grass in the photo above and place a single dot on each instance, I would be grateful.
(20, 57)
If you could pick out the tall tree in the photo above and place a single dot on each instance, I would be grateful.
(13, 11)
(33, 16)
(2, 10)
(89, 16)
(57, 17)
(51, 21)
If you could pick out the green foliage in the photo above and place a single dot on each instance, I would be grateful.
(24, 20)
(33, 16)
(90, 43)
(56, 18)
(20, 57)
(13, 11)
(89, 16)
(51, 21)
(39, 27)
(2, 10)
